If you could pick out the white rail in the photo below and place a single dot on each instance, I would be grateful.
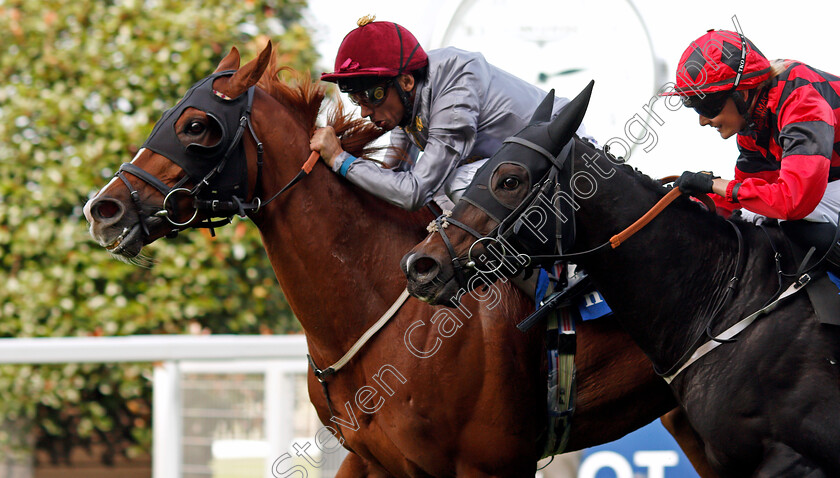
(150, 348)
(277, 357)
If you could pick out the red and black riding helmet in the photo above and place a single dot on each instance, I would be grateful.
(719, 61)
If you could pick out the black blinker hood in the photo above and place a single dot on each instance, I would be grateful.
(545, 145)
(198, 160)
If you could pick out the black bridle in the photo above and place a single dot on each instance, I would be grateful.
(218, 190)
(217, 207)
(506, 233)
(218, 173)
(509, 225)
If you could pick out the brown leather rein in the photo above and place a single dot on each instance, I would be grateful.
(643, 221)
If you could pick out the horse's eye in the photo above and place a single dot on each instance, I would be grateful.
(510, 183)
(194, 127)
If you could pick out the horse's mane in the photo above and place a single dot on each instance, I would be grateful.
(640, 177)
(303, 98)
(643, 179)
(653, 185)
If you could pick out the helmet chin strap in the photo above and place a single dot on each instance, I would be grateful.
(747, 110)
(743, 109)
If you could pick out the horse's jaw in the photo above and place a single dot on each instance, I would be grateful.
(122, 236)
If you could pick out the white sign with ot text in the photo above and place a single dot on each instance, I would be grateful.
(649, 452)
(654, 462)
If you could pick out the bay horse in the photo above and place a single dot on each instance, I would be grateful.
(428, 395)
(765, 404)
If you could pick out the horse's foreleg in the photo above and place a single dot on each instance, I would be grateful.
(355, 466)
(692, 445)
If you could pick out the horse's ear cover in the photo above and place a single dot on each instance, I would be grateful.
(552, 135)
(543, 112)
(563, 128)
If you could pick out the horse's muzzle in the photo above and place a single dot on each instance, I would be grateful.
(428, 279)
(113, 228)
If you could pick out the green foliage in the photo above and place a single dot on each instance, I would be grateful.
(82, 84)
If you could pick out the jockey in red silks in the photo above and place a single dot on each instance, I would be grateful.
(786, 115)
(449, 104)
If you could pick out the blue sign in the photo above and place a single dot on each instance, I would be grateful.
(648, 452)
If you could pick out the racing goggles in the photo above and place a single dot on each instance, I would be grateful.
(709, 105)
(371, 97)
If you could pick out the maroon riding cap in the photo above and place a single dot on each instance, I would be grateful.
(377, 49)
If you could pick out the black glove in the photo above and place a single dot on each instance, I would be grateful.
(696, 183)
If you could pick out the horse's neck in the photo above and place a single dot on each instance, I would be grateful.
(664, 281)
(335, 250)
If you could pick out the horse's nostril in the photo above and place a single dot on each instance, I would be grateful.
(107, 209)
(424, 267)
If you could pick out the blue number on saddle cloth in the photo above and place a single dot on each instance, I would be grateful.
(834, 279)
(593, 306)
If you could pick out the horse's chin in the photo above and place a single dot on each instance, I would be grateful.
(128, 244)
(436, 293)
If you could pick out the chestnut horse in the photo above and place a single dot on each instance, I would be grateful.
(429, 394)
(764, 404)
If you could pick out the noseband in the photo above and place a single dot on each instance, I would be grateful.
(439, 225)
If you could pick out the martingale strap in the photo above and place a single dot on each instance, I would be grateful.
(323, 374)
(723, 302)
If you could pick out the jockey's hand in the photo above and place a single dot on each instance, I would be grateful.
(696, 183)
(326, 143)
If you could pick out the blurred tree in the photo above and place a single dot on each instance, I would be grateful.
(81, 85)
